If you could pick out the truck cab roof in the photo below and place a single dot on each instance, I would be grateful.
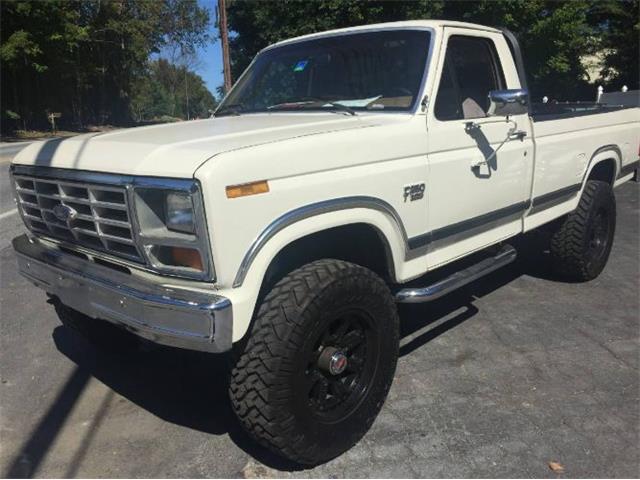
(409, 24)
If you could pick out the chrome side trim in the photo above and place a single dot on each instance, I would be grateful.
(604, 148)
(450, 234)
(414, 247)
(171, 316)
(554, 198)
(447, 285)
(319, 208)
(628, 169)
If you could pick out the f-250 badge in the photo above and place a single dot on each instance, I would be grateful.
(414, 192)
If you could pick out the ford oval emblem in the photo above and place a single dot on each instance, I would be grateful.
(64, 213)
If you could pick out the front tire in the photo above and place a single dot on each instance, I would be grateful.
(98, 332)
(581, 244)
(319, 361)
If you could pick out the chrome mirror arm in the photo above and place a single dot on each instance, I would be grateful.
(472, 128)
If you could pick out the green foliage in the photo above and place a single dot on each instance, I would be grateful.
(86, 58)
(618, 24)
(11, 115)
(169, 91)
(555, 36)
(19, 46)
(259, 24)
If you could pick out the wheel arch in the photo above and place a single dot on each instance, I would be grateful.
(361, 243)
(377, 233)
(379, 216)
(604, 165)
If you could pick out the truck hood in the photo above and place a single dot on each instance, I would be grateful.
(178, 149)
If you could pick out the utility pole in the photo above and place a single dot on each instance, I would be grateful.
(224, 37)
(186, 91)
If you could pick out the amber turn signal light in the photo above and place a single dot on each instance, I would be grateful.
(235, 191)
(186, 257)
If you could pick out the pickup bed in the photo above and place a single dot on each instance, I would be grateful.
(341, 169)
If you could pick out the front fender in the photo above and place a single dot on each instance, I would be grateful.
(318, 222)
(305, 221)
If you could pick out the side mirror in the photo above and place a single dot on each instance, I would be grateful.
(503, 103)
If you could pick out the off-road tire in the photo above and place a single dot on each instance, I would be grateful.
(98, 332)
(264, 381)
(573, 251)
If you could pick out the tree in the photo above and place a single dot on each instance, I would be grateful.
(618, 25)
(84, 59)
(555, 36)
(258, 24)
(162, 93)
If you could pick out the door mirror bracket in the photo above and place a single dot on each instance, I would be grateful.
(474, 128)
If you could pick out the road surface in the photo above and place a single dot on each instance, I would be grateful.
(9, 219)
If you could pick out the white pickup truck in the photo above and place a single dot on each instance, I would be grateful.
(285, 229)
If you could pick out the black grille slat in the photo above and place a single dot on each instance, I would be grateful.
(47, 188)
(77, 192)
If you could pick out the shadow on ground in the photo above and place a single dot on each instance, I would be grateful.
(190, 388)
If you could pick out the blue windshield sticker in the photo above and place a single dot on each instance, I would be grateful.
(300, 66)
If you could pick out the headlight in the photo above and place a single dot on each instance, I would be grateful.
(172, 228)
(180, 212)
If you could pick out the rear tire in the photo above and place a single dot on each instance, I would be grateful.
(319, 361)
(581, 245)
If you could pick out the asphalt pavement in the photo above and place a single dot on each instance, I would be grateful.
(11, 148)
(496, 380)
(9, 219)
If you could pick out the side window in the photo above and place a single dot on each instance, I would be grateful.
(471, 69)
(448, 106)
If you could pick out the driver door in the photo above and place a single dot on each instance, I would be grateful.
(477, 193)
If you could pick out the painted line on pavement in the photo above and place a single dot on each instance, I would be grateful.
(8, 214)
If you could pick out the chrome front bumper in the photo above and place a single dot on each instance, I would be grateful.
(168, 315)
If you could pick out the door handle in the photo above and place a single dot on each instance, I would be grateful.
(478, 162)
(517, 135)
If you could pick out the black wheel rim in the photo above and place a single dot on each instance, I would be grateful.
(598, 238)
(331, 394)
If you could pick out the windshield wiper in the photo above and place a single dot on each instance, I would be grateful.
(309, 100)
(231, 109)
(344, 108)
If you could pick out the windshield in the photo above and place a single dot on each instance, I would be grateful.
(364, 71)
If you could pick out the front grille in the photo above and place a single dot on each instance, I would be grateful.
(102, 221)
